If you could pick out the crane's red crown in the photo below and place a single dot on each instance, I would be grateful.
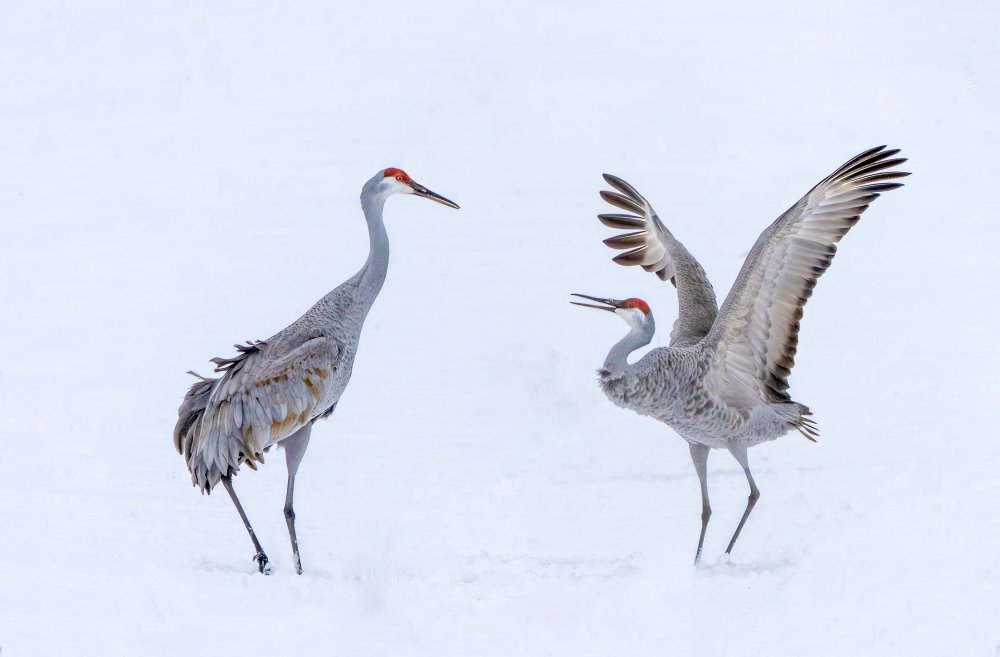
(398, 174)
(636, 303)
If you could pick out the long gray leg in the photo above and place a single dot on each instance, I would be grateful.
(740, 454)
(699, 454)
(295, 448)
(260, 557)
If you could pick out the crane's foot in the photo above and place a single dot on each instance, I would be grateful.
(262, 564)
(298, 564)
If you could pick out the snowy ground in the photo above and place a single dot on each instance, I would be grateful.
(177, 178)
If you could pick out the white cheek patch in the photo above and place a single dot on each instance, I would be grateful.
(633, 316)
(393, 186)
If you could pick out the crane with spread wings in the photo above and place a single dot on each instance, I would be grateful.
(722, 383)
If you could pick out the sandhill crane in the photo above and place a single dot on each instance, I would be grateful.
(273, 390)
(722, 382)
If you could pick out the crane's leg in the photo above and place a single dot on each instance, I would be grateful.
(740, 454)
(295, 448)
(699, 454)
(260, 557)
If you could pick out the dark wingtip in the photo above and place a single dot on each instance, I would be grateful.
(622, 221)
(883, 187)
(623, 201)
(627, 240)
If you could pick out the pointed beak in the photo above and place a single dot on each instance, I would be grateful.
(608, 304)
(420, 190)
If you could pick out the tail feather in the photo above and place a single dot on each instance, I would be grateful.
(805, 424)
(191, 409)
(189, 417)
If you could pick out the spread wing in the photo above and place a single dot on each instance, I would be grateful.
(756, 333)
(259, 401)
(651, 246)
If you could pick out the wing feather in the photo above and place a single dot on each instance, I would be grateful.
(260, 400)
(655, 249)
(756, 332)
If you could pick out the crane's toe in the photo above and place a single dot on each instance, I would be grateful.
(262, 563)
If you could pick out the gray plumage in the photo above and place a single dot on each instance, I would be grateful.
(722, 383)
(273, 390)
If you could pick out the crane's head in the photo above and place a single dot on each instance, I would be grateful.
(396, 181)
(634, 311)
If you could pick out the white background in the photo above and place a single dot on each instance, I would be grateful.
(178, 177)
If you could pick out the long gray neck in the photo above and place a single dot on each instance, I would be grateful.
(616, 364)
(372, 275)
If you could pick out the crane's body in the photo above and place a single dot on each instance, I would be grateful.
(722, 382)
(684, 400)
(273, 391)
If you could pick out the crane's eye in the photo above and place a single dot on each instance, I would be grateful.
(399, 177)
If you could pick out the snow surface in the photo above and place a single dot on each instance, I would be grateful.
(176, 177)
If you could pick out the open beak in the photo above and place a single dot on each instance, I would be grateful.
(609, 304)
(420, 190)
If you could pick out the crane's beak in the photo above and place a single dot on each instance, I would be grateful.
(420, 190)
(609, 304)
